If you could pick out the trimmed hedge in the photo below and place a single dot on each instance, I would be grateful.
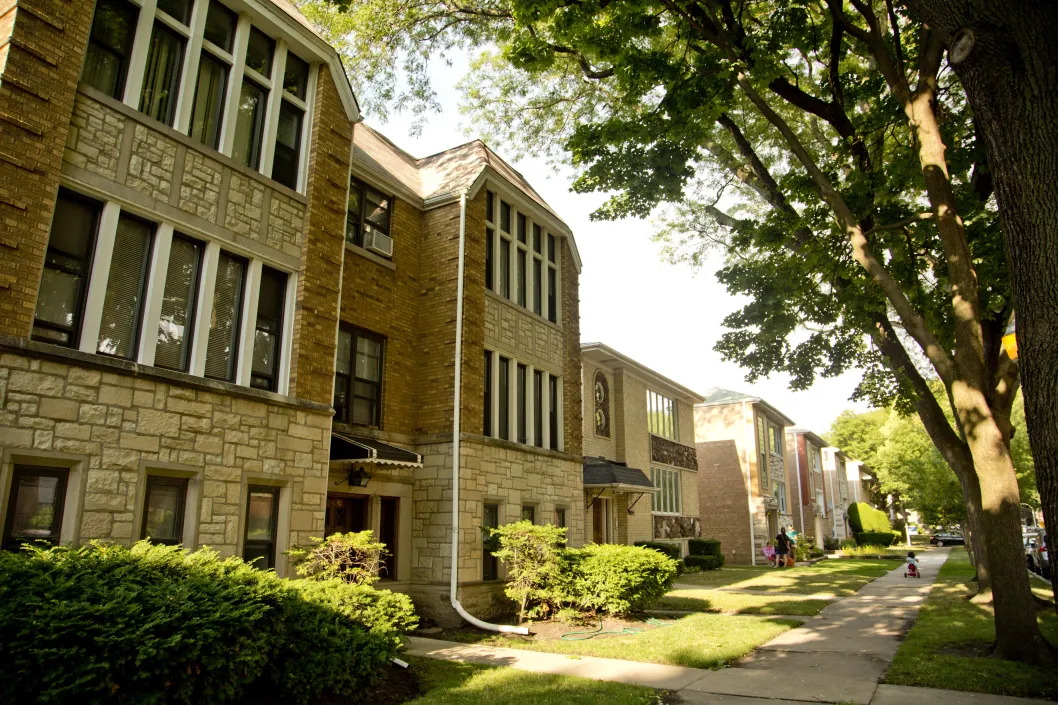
(669, 549)
(158, 624)
(875, 538)
(614, 578)
(704, 562)
(705, 547)
(865, 518)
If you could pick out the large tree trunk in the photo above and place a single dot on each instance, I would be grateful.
(1006, 58)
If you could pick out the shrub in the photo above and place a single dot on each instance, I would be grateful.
(705, 547)
(807, 549)
(865, 518)
(875, 538)
(352, 558)
(830, 543)
(616, 579)
(669, 549)
(704, 562)
(157, 624)
(532, 555)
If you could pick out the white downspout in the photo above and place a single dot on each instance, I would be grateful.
(833, 499)
(455, 438)
(749, 490)
(800, 489)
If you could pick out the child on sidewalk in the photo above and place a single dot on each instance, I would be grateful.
(911, 571)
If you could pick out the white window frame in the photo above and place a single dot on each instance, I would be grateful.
(106, 231)
(662, 423)
(668, 500)
(149, 13)
(512, 402)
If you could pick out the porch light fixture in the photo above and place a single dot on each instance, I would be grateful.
(358, 477)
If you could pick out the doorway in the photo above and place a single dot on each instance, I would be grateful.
(773, 524)
(600, 521)
(345, 513)
(389, 515)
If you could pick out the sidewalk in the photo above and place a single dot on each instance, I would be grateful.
(838, 656)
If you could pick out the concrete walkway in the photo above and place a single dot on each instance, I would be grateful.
(838, 656)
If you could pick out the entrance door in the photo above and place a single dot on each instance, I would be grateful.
(600, 521)
(345, 513)
(389, 516)
(773, 525)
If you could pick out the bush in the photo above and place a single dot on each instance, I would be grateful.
(704, 562)
(352, 558)
(705, 547)
(531, 553)
(875, 538)
(830, 543)
(865, 518)
(669, 549)
(616, 579)
(157, 624)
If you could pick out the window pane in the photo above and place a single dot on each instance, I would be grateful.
(522, 382)
(220, 26)
(164, 514)
(504, 397)
(550, 247)
(208, 109)
(269, 329)
(368, 359)
(224, 322)
(529, 514)
(286, 160)
(259, 52)
(552, 297)
(523, 225)
(248, 125)
(363, 411)
(296, 76)
(345, 347)
(178, 304)
(259, 520)
(106, 60)
(553, 411)
(505, 267)
(177, 9)
(352, 218)
(161, 80)
(519, 274)
(487, 422)
(490, 205)
(120, 322)
(560, 518)
(490, 236)
(341, 398)
(538, 408)
(505, 216)
(35, 508)
(538, 285)
(536, 238)
(376, 209)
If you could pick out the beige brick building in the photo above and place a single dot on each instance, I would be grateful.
(227, 320)
(640, 466)
(808, 490)
(836, 481)
(743, 495)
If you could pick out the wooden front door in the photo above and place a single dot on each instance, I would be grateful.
(345, 513)
(599, 516)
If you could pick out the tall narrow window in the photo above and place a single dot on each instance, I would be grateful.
(106, 60)
(486, 424)
(661, 414)
(538, 408)
(119, 326)
(296, 76)
(220, 26)
(287, 157)
(536, 238)
(161, 79)
(178, 304)
(358, 378)
(505, 397)
(552, 412)
(529, 513)
(163, 513)
(368, 218)
(259, 52)
(249, 124)
(560, 517)
(223, 343)
(490, 236)
(490, 564)
(522, 227)
(763, 468)
(35, 506)
(179, 10)
(521, 400)
(490, 206)
(538, 286)
(505, 267)
(552, 294)
(505, 216)
(207, 111)
(262, 518)
(269, 330)
(520, 274)
(67, 263)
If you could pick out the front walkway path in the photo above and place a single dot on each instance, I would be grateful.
(838, 656)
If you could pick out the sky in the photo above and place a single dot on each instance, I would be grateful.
(667, 317)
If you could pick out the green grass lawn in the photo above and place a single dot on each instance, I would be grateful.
(697, 641)
(835, 576)
(945, 647)
(453, 683)
(738, 603)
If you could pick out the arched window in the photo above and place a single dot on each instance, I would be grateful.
(602, 405)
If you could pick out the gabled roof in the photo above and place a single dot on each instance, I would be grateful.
(604, 354)
(818, 440)
(720, 397)
(442, 177)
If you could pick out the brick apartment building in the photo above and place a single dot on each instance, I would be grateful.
(640, 467)
(808, 491)
(201, 267)
(742, 472)
(835, 479)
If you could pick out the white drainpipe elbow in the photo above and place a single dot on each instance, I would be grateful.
(480, 624)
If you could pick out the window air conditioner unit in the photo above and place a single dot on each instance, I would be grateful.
(378, 243)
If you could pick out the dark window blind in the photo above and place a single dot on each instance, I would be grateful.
(123, 302)
(223, 343)
(178, 304)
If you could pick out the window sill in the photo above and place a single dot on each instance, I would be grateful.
(512, 445)
(388, 264)
(56, 353)
(521, 309)
(188, 142)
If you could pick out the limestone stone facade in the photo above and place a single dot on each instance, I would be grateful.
(617, 427)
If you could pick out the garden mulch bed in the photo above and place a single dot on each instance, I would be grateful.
(398, 685)
(539, 631)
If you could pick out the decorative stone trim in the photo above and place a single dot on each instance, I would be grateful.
(670, 527)
(662, 450)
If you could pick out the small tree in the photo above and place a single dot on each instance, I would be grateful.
(353, 558)
(531, 554)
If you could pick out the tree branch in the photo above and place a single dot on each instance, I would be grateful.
(901, 223)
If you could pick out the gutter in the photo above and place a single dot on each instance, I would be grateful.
(454, 571)
(749, 491)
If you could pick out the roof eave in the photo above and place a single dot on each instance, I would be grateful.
(684, 392)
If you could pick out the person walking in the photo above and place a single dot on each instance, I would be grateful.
(782, 547)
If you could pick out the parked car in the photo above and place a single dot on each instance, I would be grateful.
(1037, 557)
(947, 538)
